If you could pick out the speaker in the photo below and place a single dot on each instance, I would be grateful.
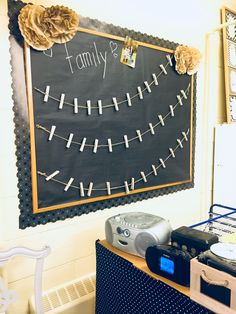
(143, 241)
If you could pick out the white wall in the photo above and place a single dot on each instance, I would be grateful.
(225, 167)
(72, 241)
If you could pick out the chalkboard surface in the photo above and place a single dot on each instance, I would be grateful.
(147, 147)
(135, 148)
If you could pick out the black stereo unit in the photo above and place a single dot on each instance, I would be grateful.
(169, 262)
(192, 240)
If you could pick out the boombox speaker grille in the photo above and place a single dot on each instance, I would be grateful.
(143, 241)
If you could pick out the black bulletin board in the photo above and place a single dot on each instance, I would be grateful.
(152, 144)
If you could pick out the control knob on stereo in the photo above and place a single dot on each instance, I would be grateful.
(126, 233)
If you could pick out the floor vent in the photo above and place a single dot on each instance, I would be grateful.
(73, 297)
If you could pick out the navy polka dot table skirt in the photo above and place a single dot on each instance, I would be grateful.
(121, 288)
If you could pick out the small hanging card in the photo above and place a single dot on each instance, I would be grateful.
(129, 52)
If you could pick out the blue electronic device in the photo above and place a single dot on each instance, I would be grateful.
(169, 262)
(167, 265)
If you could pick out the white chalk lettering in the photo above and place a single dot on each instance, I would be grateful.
(81, 60)
(68, 58)
(96, 51)
(105, 64)
(113, 47)
(48, 52)
(92, 58)
(87, 59)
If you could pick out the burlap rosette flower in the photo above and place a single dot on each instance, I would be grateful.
(187, 59)
(42, 27)
(30, 23)
(60, 23)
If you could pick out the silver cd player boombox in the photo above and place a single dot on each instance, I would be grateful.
(134, 232)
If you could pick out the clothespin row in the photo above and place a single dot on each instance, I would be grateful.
(127, 186)
(91, 184)
(95, 145)
(109, 145)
